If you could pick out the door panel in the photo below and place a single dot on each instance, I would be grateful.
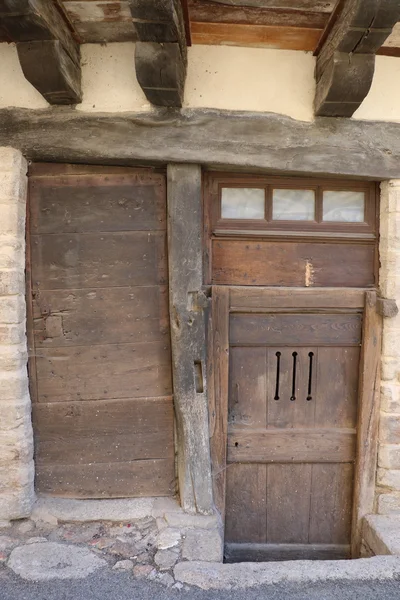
(291, 426)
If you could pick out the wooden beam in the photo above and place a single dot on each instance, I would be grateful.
(161, 52)
(346, 61)
(217, 138)
(187, 318)
(48, 53)
(311, 5)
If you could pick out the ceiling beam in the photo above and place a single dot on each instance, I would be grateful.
(48, 53)
(346, 60)
(161, 52)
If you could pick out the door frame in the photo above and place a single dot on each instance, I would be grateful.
(230, 299)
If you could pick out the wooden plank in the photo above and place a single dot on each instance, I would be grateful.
(116, 480)
(220, 382)
(276, 552)
(309, 5)
(97, 202)
(248, 380)
(336, 394)
(246, 298)
(98, 372)
(288, 503)
(331, 502)
(346, 60)
(250, 262)
(367, 441)
(85, 317)
(274, 143)
(260, 36)
(291, 445)
(99, 21)
(205, 11)
(103, 432)
(95, 260)
(188, 336)
(295, 330)
(246, 514)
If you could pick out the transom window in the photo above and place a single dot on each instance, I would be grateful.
(292, 204)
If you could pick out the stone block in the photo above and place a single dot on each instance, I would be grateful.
(166, 559)
(183, 520)
(202, 545)
(12, 186)
(17, 503)
(168, 538)
(390, 397)
(388, 503)
(11, 159)
(389, 478)
(13, 357)
(389, 456)
(12, 253)
(16, 446)
(12, 334)
(13, 216)
(390, 368)
(389, 429)
(14, 477)
(165, 505)
(12, 282)
(12, 309)
(391, 337)
(14, 385)
(382, 534)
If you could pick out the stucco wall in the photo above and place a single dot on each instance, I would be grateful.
(223, 77)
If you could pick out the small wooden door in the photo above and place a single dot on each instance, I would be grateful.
(285, 420)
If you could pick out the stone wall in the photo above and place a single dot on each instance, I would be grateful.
(16, 456)
(388, 476)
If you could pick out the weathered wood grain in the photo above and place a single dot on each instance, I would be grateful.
(260, 36)
(295, 330)
(278, 552)
(250, 262)
(47, 50)
(311, 5)
(346, 61)
(288, 298)
(187, 304)
(290, 446)
(367, 442)
(273, 143)
(108, 480)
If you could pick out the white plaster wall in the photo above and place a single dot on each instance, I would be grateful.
(222, 77)
(383, 100)
(253, 79)
(15, 90)
(109, 81)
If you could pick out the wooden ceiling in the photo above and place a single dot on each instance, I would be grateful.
(282, 24)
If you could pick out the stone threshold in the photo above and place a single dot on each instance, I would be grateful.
(381, 534)
(217, 576)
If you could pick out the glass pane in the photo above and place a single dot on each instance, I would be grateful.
(347, 207)
(243, 203)
(293, 205)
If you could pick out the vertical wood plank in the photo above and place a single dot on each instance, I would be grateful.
(367, 442)
(220, 376)
(246, 515)
(247, 387)
(188, 336)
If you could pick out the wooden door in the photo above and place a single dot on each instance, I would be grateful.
(100, 362)
(285, 418)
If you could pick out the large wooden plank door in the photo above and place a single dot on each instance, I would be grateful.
(286, 407)
(100, 363)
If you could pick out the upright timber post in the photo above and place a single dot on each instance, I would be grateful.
(188, 338)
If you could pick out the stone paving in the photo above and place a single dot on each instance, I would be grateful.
(148, 547)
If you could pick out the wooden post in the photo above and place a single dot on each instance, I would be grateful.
(368, 420)
(188, 337)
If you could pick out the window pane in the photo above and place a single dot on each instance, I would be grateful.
(243, 203)
(293, 205)
(347, 207)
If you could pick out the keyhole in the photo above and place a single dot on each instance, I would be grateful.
(293, 396)
(278, 370)
(310, 368)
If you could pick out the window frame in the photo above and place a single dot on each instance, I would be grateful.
(217, 225)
